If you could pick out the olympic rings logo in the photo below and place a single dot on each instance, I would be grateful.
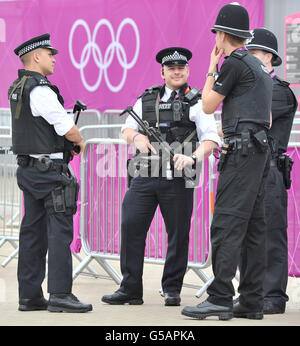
(104, 62)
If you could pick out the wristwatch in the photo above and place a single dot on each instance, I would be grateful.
(215, 75)
(195, 158)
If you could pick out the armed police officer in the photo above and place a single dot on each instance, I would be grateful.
(41, 129)
(245, 88)
(284, 104)
(159, 106)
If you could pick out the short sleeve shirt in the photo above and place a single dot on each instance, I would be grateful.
(234, 79)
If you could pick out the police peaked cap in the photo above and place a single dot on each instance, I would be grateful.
(173, 56)
(264, 39)
(42, 41)
(233, 19)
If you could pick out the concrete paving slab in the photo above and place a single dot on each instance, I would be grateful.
(151, 313)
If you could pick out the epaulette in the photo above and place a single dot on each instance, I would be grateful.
(239, 54)
(39, 80)
(150, 90)
(282, 82)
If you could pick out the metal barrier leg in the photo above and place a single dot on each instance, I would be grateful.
(89, 268)
(2, 242)
(205, 278)
(84, 263)
(13, 243)
(204, 287)
(10, 257)
(109, 269)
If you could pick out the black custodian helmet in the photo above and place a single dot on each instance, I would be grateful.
(233, 19)
(264, 39)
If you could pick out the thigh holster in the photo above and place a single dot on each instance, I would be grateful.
(63, 199)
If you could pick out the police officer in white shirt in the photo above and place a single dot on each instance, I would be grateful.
(175, 110)
(41, 135)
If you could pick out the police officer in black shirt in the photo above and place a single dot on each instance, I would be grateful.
(245, 88)
(42, 137)
(284, 105)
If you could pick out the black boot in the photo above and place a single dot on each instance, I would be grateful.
(244, 312)
(33, 304)
(67, 303)
(206, 309)
(172, 299)
(120, 298)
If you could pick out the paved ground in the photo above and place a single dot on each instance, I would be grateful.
(152, 313)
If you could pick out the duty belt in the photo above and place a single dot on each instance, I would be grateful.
(242, 141)
(43, 163)
(236, 142)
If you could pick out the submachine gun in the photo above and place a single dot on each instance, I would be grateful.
(69, 146)
(188, 173)
(64, 198)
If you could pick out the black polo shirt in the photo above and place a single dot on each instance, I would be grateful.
(235, 77)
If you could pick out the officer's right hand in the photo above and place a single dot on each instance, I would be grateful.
(143, 144)
(81, 146)
(215, 57)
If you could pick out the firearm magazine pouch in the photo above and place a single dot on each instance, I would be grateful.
(285, 164)
(71, 195)
(63, 199)
(261, 141)
(58, 200)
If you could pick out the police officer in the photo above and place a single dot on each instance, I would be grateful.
(169, 191)
(284, 105)
(41, 129)
(245, 88)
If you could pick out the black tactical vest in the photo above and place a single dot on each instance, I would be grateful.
(31, 135)
(171, 118)
(284, 106)
(254, 105)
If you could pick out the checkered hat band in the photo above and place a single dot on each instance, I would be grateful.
(33, 46)
(173, 57)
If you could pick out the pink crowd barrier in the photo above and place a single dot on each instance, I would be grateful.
(102, 224)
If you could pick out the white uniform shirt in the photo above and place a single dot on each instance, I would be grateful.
(44, 103)
(205, 123)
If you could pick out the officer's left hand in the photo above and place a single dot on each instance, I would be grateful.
(182, 161)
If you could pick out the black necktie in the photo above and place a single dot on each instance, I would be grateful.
(172, 97)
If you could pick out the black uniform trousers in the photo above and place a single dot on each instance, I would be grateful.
(238, 221)
(138, 209)
(40, 232)
(276, 241)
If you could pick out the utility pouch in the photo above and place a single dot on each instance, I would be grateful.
(261, 141)
(23, 160)
(71, 195)
(245, 140)
(285, 164)
(58, 199)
